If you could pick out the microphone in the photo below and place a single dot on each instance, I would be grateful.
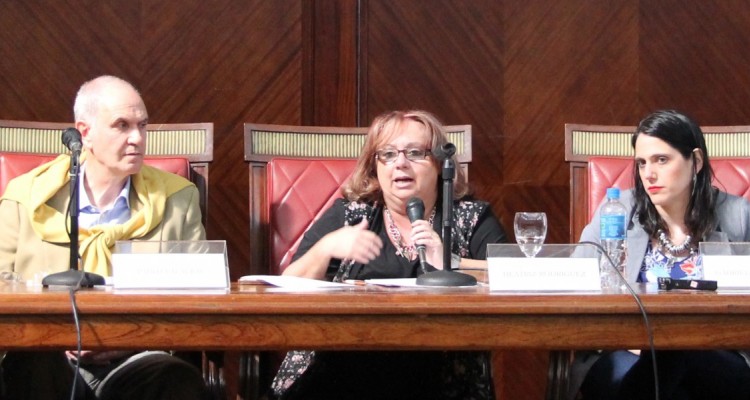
(445, 151)
(692, 284)
(415, 211)
(73, 277)
(446, 276)
(71, 138)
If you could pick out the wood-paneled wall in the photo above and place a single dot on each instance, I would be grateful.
(516, 70)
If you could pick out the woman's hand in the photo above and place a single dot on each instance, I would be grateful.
(423, 234)
(350, 242)
(353, 243)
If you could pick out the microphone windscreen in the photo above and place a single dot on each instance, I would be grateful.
(445, 151)
(415, 209)
(71, 138)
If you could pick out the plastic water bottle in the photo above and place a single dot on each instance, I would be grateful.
(612, 216)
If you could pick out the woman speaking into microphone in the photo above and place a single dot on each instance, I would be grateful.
(368, 234)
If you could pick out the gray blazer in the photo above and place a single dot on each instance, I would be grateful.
(732, 212)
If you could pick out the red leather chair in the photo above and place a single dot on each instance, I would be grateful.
(296, 172)
(298, 193)
(732, 175)
(606, 172)
(14, 164)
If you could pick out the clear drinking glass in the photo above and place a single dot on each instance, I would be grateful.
(531, 230)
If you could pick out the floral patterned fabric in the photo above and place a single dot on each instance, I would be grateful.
(433, 374)
(657, 264)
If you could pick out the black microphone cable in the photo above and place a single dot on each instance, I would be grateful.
(74, 307)
(79, 344)
(649, 331)
(71, 138)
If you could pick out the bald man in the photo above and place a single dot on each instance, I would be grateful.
(120, 199)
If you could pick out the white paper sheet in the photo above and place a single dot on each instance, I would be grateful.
(292, 282)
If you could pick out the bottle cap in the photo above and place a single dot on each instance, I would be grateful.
(613, 193)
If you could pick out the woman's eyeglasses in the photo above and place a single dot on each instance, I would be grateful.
(387, 156)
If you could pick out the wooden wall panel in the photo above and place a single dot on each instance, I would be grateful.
(331, 51)
(693, 57)
(47, 49)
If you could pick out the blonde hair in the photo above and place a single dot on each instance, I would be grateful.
(363, 185)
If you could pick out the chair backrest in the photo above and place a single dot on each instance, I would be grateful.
(184, 149)
(607, 172)
(298, 193)
(601, 156)
(14, 164)
(296, 172)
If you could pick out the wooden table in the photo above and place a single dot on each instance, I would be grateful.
(253, 317)
(370, 317)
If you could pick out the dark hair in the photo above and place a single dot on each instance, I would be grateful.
(684, 135)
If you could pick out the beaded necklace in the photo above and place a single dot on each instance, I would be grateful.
(403, 250)
(666, 244)
(671, 251)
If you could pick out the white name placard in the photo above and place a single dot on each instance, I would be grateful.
(727, 271)
(170, 265)
(543, 274)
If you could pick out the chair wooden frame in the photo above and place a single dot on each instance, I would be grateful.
(193, 141)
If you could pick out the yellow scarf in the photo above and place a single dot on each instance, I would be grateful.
(33, 189)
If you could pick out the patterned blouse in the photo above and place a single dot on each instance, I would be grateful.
(657, 264)
(462, 375)
(474, 226)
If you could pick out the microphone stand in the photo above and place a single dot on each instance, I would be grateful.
(73, 276)
(446, 276)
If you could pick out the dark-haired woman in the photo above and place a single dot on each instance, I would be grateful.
(673, 207)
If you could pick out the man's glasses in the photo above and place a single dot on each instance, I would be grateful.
(387, 156)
